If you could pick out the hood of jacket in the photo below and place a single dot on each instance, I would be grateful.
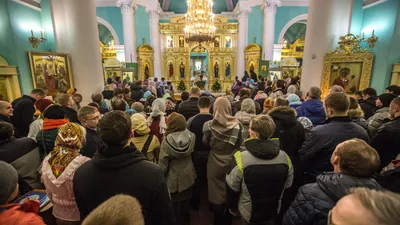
(286, 116)
(355, 113)
(263, 149)
(180, 144)
(370, 101)
(337, 185)
(244, 117)
(113, 158)
(136, 87)
(314, 106)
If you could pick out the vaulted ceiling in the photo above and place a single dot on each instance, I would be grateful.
(180, 6)
(296, 31)
(105, 34)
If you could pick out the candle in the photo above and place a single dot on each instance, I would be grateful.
(32, 33)
(362, 36)
(373, 32)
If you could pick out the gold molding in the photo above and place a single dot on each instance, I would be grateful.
(252, 57)
(145, 57)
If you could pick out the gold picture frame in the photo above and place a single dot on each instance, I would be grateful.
(51, 72)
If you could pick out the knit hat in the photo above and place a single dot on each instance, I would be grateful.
(42, 104)
(139, 124)
(294, 99)
(386, 99)
(8, 181)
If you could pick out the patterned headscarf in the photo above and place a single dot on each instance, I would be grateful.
(69, 141)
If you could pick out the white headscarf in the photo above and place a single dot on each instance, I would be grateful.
(158, 109)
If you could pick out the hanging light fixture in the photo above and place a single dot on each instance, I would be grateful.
(199, 22)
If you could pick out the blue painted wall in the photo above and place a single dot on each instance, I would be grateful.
(284, 15)
(142, 19)
(256, 20)
(47, 25)
(357, 17)
(7, 45)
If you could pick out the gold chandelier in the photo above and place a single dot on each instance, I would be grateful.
(199, 22)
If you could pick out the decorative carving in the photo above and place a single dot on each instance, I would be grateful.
(252, 57)
(146, 61)
(271, 6)
(127, 6)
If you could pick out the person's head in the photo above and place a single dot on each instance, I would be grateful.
(109, 80)
(89, 116)
(291, 89)
(126, 92)
(355, 158)
(195, 92)
(77, 98)
(176, 123)
(358, 95)
(314, 93)
(119, 104)
(6, 131)
(139, 125)
(244, 93)
(95, 104)
(54, 112)
(138, 107)
(65, 100)
(393, 89)
(156, 79)
(248, 106)
(43, 104)
(8, 183)
(364, 206)
(204, 104)
(72, 136)
(384, 100)
(281, 102)
(394, 109)
(114, 211)
(115, 128)
(336, 89)
(222, 106)
(337, 104)
(353, 104)
(262, 127)
(163, 79)
(185, 96)
(97, 97)
(293, 99)
(369, 93)
(6, 109)
(118, 92)
(280, 84)
(38, 93)
(269, 83)
(158, 107)
(268, 105)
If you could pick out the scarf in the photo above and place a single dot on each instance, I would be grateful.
(139, 124)
(158, 109)
(68, 143)
(176, 123)
(248, 106)
(146, 94)
(223, 123)
(152, 87)
(49, 124)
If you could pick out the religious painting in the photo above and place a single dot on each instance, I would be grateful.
(146, 71)
(227, 69)
(170, 41)
(275, 74)
(51, 72)
(181, 41)
(263, 70)
(182, 70)
(171, 69)
(346, 75)
(217, 42)
(228, 42)
(131, 71)
(216, 69)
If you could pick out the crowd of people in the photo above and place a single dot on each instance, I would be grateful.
(260, 154)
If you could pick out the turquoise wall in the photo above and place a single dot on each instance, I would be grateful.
(256, 21)
(357, 17)
(7, 45)
(47, 25)
(142, 19)
(383, 19)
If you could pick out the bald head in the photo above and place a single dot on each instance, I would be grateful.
(6, 109)
(350, 211)
(394, 110)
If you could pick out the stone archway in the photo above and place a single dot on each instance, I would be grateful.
(108, 25)
(289, 24)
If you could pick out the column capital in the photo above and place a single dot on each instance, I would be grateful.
(154, 13)
(242, 10)
(271, 6)
(127, 6)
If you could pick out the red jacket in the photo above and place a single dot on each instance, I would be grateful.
(24, 214)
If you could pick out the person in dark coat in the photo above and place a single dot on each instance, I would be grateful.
(354, 163)
(66, 102)
(393, 89)
(89, 117)
(189, 108)
(6, 111)
(356, 114)
(184, 96)
(387, 139)
(313, 108)
(390, 179)
(24, 110)
(314, 155)
(368, 104)
(136, 91)
(244, 94)
(253, 76)
(119, 168)
(245, 77)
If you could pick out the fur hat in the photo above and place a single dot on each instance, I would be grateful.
(42, 104)
(8, 181)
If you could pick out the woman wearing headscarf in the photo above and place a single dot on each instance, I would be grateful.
(157, 120)
(224, 136)
(247, 111)
(268, 105)
(145, 142)
(58, 172)
(177, 165)
(245, 77)
(152, 87)
(294, 100)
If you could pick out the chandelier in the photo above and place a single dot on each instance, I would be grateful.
(199, 22)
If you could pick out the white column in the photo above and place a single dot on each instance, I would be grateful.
(155, 42)
(128, 22)
(327, 21)
(270, 7)
(243, 18)
(76, 32)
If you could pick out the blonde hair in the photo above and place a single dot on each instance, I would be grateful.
(384, 205)
(120, 209)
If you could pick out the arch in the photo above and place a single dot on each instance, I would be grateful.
(108, 25)
(289, 24)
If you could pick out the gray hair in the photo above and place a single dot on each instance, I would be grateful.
(336, 89)
(314, 93)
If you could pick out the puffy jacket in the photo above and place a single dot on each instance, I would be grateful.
(46, 140)
(315, 154)
(357, 116)
(24, 214)
(314, 201)
(189, 108)
(256, 184)
(313, 110)
(23, 115)
(390, 179)
(136, 92)
(369, 107)
(387, 141)
(379, 118)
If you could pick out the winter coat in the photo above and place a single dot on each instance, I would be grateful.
(314, 201)
(23, 115)
(21, 214)
(357, 116)
(312, 109)
(289, 131)
(71, 115)
(390, 180)
(369, 107)
(46, 140)
(245, 119)
(195, 125)
(189, 108)
(5, 119)
(116, 170)
(237, 106)
(176, 162)
(136, 92)
(92, 143)
(379, 118)
(256, 184)
(24, 155)
(315, 154)
(387, 141)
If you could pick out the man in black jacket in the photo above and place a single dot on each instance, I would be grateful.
(24, 110)
(6, 111)
(368, 105)
(189, 108)
(387, 140)
(89, 117)
(136, 91)
(354, 163)
(118, 168)
(316, 151)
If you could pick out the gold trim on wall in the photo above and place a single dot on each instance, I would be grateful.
(252, 57)
(146, 57)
